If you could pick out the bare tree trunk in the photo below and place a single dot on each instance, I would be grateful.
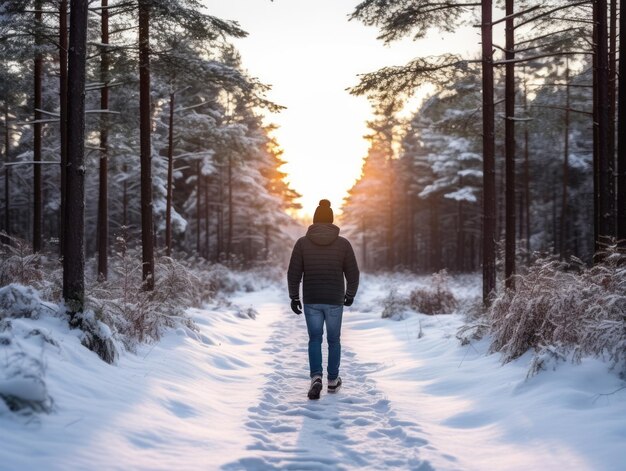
(390, 215)
(229, 241)
(520, 216)
(38, 71)
(606, 193)
(489, 174)
(565, 181)
(596, 167)
(411, 224)
(220, 217)
(207, 214)
(7, 171)
(103, 193)
(435, 236)
(612, 71)
(460, 238)
(74, 250)
(364, 243)
(198, 217)
(170, 178)
(124, 200)
(63, 110)
(526, 173)
(509, 150)
(555, 231)
(147, 239)
(621, 133)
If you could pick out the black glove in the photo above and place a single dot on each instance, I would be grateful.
(348, 301)
(296, 306)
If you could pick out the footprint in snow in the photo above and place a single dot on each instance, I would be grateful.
(356, 428)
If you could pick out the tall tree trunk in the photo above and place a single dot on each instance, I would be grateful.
(220, 216)
(74, 250)
(596, 166)
(198, 214)
(37, 71)
(390, 216)
(7, 171)
(509, 150)
(364, 243)
(606, 193)
(63, 110)
(489, 174)
(435, 235)
(621, 133)
(124, 200)
(207, 214)
(565, 181)
(612, 71)
(147, 239)
(520, 215)
(460, 238)
(555, 231)
(526, 172)
(170, 179)
(229, 240)
(103, 193)
(411, 224)
(612, 66)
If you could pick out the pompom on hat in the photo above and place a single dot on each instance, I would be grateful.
(323, 213)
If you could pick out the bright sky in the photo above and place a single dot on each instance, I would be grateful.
(309, 52)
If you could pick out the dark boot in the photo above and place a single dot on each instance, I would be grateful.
(316, 387)
(334, 385)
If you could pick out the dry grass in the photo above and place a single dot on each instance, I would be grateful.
(435, 299)
(559, 309)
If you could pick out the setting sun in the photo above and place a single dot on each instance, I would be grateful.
(310, 54)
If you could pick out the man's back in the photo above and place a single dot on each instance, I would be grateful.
(323, 257)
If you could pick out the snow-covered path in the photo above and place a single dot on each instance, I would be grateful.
(355, 428)
(233, 397)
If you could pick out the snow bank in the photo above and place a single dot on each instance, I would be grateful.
(180, 403)
(482, 415)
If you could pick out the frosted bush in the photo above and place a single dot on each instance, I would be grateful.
(138, 315)
(435, 299)
(570, 307)
(246, 313)
(19, 301)
(18, 263)
(22, 370)
(394, 306)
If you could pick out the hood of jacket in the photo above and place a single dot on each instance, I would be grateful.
(322, 233)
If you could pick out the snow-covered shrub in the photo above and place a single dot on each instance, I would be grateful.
(95, 335)
(436, 299)
(475, 330)
(395, 306)
(247, 313)
(135, 314)
(19, 301)
(571, 307)
(22, 370)
(18, 263)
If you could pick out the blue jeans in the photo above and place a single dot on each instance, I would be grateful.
(315, 315)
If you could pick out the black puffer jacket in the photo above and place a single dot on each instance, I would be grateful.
(323, 258)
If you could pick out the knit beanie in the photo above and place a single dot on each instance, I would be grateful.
(323, 213)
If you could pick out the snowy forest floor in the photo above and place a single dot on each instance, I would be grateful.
(233, 396)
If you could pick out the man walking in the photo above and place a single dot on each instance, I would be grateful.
(323, 258)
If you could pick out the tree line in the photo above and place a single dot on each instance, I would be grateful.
(135, 119)
(519, 150)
